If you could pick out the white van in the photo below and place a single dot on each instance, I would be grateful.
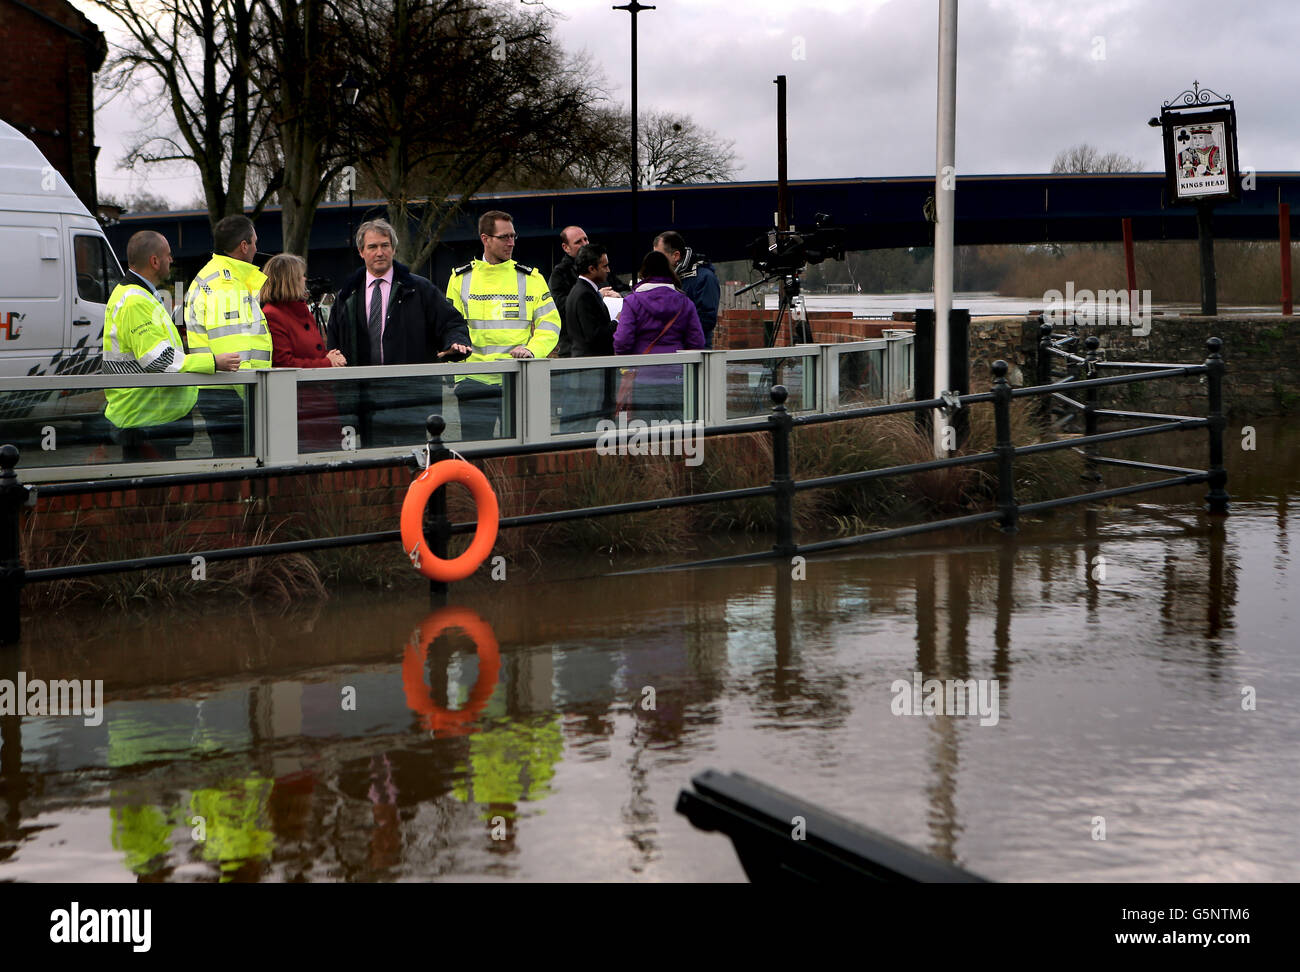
(56, 272)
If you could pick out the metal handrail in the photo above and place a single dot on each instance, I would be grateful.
(527, 384)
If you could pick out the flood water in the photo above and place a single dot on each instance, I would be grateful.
(350, 740)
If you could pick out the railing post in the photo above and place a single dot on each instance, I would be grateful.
(437, 528)
(1217, 497)
(782, 423)
(12, 497)
(923, 369)
(1090, 409)
(1043, 367)
(1004, 448)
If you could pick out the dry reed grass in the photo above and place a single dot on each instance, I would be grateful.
(281, 579)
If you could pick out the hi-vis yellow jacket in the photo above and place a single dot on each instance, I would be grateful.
(140, 338)
(505, 305)
(223, 312)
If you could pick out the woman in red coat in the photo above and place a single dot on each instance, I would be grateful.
(297, 342)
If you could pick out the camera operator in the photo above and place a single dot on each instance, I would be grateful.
(699, 282)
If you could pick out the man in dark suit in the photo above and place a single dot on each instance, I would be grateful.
(588, 332)
(586, 318)
(385, 314)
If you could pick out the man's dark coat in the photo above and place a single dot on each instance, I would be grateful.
(421, 321)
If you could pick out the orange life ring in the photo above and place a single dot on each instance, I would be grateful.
(433, 716)
(412, 521)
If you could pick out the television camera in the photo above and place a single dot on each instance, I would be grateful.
(785, 254)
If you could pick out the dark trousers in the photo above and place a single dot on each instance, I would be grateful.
(588, 398)
(154, 441)
(651, 401)
(480, 409)
(222, 410)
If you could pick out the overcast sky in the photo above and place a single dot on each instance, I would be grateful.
(1033, 77)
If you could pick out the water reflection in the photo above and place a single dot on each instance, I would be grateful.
(543, 730)
(424, 650)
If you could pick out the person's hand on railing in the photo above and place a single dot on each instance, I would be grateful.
(227, 361)
(520, 352)
(336, 358)
(458, 351)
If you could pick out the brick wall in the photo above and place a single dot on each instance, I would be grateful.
(46, 85)
(180, 519)
(737, 329)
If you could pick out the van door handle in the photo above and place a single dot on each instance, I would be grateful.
(84, 322)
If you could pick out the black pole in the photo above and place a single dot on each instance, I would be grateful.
(959, 371)
(923, 368)
(437, 528)
(1217, 497)
(634, 8)
(1043, 367)
(783, 210)
(1090, 409)
(12, 497)
(1004, 448)
(782, 181)
(782, 423)
(1205, 236)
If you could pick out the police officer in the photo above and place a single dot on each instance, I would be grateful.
(510, 314)
(140, 338)
(223, 314)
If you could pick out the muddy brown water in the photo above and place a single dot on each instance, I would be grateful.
(348, 740)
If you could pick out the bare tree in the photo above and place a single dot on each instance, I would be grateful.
(299, 73)
(195, 57)
(141, 201)
(455, 93)
(1088, 158)
(671, 150)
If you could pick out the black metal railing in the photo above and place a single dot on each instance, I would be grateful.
(782, 487)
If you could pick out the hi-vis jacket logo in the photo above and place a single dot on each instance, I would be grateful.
(9, 324)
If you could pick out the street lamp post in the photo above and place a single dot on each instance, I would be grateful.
(351, 90)
(634, 8)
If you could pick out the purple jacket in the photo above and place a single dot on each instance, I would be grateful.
(645, 312)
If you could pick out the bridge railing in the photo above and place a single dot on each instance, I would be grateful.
(289, 416)
(779, 423)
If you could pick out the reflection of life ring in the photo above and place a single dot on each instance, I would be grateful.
(432, 715)
(412, 521)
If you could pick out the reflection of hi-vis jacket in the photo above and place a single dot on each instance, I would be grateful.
(505, 305)
(223, 313)
(140, 338)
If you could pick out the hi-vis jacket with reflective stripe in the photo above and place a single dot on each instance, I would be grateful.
(223, 312)
(505, 305)
(139, 338)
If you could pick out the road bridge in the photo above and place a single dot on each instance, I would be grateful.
(722, 220)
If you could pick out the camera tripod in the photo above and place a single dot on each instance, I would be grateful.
(791, 301)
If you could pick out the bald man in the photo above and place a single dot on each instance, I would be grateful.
(565, 275)
(140, 338)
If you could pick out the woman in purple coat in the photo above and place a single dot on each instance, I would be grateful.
(656, 318)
